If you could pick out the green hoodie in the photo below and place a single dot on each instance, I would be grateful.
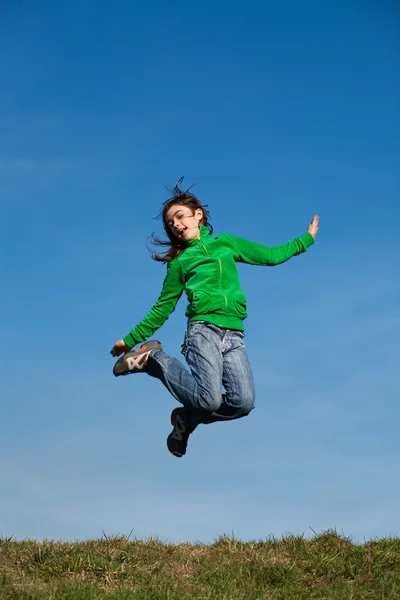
(207, 272)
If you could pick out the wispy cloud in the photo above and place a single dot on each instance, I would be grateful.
(31, 168)
(23, 178)
(18, 166)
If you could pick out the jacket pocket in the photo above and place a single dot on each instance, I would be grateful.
(200, 303)
(239, 302)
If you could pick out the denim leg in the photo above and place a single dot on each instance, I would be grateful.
(202, 388)
(237, 379)
(216, 357)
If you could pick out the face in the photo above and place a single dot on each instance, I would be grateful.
(183, 223)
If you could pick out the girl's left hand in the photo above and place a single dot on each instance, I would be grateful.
(313, 226)
(119, 348)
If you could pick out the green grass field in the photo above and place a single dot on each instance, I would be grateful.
(293, 568)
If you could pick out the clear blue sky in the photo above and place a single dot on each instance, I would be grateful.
(280, 109)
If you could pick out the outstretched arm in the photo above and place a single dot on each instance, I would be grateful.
(258, 254)
(171, 292)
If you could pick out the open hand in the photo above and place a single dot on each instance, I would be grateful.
(313, 226)
(119, 348)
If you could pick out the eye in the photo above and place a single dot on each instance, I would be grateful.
(178, 216)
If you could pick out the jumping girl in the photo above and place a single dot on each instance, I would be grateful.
(204, 268)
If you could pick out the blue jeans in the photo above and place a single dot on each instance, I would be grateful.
(216, 357)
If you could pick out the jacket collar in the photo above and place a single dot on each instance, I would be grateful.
(204, 234)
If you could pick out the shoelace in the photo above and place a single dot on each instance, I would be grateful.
(179, 429)
(136, 361)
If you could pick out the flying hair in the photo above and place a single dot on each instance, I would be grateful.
(176, 192)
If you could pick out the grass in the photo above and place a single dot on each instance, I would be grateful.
(328, 566)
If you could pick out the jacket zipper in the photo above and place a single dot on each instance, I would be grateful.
(220, 271)
(205, 249)
(220, 281)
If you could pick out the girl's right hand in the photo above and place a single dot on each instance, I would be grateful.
(119, 348)
(313, 227)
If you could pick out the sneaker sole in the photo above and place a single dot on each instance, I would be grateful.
(121, 367)
(173, 452)
(174, 413)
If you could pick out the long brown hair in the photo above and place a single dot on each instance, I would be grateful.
(175, 245)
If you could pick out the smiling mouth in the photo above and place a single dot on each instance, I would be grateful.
(181, 232)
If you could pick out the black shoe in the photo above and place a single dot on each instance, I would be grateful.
(135, 360)
(178, 438)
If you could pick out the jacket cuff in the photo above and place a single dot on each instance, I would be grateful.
(307, 239)
(129, 340)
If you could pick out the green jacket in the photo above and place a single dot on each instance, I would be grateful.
(207, 272)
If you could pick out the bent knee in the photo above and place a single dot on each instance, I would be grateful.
(247, 404)
(246, 409)
(210, 402)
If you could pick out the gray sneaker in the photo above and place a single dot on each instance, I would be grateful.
(178, 438)
(135, 360)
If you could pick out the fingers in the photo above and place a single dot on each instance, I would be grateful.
(119, 348)
(313, 226)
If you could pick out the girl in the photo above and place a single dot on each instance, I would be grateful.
(204, 267)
